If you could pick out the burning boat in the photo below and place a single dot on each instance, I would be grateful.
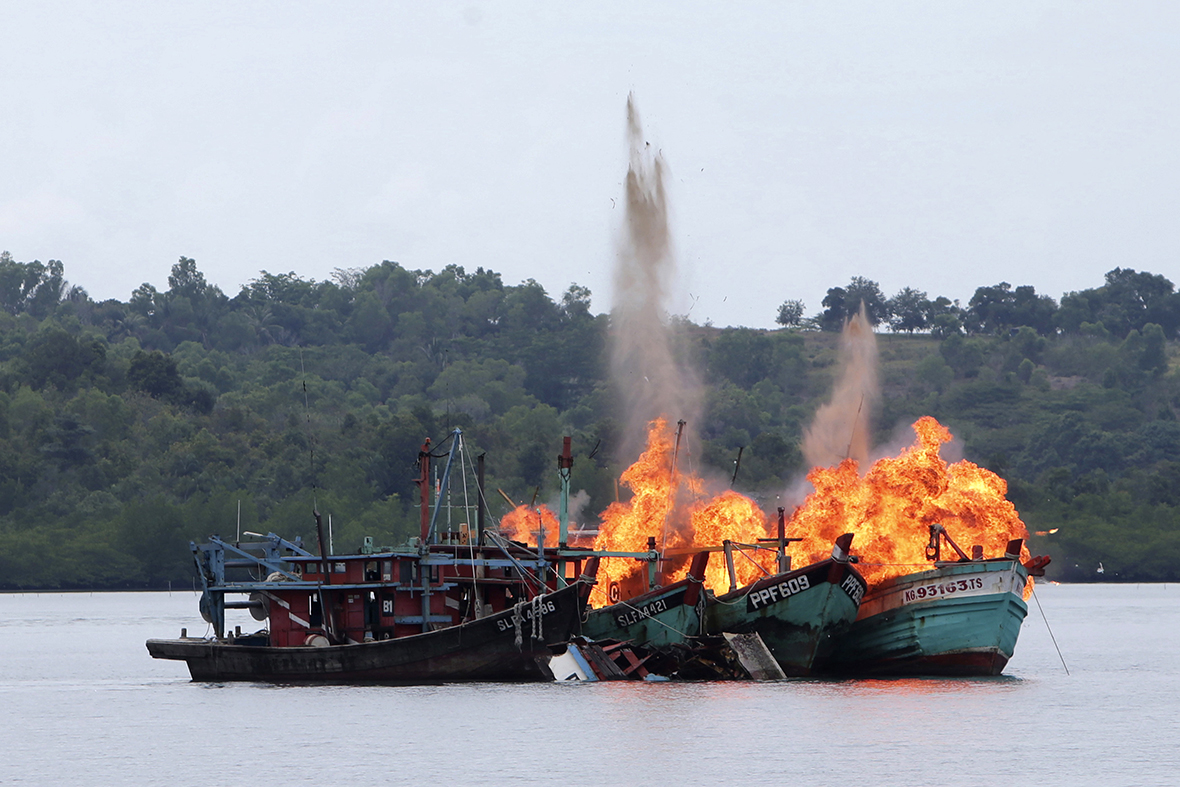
(958, 619)
(660, 618)
(455, 606)
(667, 598)
(641, 612)
(798, 614)
(952, 618)
(795, 613)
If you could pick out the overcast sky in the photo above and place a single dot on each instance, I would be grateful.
(935, 145)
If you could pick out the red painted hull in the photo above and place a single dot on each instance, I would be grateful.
(481, 650)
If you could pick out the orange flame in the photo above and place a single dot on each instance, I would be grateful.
(626, 526)
(523, 523)
(734, 517)
(891, 508)
(668, 505)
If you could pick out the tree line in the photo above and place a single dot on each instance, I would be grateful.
(1127, 301)
(128, 428)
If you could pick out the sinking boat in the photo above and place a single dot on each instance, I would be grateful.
(656, 619)
(444, 607)
(798, 614)
(958, 619)
(660, 618)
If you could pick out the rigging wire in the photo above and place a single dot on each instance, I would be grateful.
(1050, 630)
(742, 552)
(493, 535)
(692, 469)
(476, 602)
(525, 573)
(437, 446)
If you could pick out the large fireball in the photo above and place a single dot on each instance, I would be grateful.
(890, 509)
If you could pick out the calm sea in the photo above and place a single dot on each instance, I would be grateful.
(82, 703)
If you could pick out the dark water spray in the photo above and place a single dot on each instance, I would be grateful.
(652, 378)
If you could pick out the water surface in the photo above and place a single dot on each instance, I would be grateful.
(83, 703)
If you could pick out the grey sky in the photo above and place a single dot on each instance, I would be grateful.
(935, 145)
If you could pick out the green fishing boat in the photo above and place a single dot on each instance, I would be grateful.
(957, 619)
(658, 619)
(798, 614)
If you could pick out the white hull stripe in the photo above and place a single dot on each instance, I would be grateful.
(277, 600)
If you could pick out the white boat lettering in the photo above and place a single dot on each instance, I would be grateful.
(509, 624)
(854, 589)
(636, 614)
(777, 592)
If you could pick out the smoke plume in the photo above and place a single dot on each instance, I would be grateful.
(842, 427)
(651, 380)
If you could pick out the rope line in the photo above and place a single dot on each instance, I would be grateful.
(867, 563)
(526, 573)
(476, 602)
(1050, 630)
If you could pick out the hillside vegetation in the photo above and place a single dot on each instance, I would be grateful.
(129, 428)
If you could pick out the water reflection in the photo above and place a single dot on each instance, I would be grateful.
(923, 685)
(74, 672)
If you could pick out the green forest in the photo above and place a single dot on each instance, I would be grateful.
(128, 429)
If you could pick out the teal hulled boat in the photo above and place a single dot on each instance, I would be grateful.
(657, 619)
(798, 614)
(957, 619)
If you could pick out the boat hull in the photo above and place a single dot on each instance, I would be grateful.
(658, 619)
(798, 614)
(480, 650)
(957, 620)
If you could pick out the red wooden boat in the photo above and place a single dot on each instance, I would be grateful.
(458, 606)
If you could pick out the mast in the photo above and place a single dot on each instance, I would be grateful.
(672, 493)
(442, 489)
(784, 562)
(676, 450)
(564, 464)
(326, 609)
(423, 483)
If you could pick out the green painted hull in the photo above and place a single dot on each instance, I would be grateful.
(657, 619)
(961, 619)
(798, 614)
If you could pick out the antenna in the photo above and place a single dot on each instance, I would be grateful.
(310, 438)
(737, 465)
(671, 482)
(855, 423)
(676, 450)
